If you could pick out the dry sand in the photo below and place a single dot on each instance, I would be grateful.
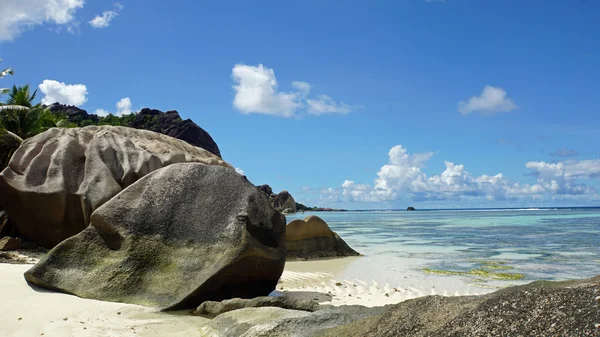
(32, 311)
(341, 282)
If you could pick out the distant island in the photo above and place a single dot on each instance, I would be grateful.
(410, 208)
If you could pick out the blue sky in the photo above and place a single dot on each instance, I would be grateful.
(365, 104)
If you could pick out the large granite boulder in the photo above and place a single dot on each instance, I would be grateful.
(56, 179)
(312, 238)
(171, 124)
(179, 236)
(284, 200)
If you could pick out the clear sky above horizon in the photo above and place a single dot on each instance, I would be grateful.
(354, 104)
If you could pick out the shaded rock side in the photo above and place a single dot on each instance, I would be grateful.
(171, 124)
(56, 179)
(213, 308)
(312, 238)
(541, 308)
(181, 235)
(284, 200)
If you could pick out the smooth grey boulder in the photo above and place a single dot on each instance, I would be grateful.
(181, 235)
(56, 179)
(213, 308)
(312, 238)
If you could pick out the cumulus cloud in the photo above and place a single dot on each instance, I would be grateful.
(103, 20)
(123, 108)
(102, 112)
(19, 15)
(568, 170)
(256, 91)
(564, 152)
(403, 176)
(70, 94)
(492, 100)
(239, 171)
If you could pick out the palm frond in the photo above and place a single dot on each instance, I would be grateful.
(13, 107)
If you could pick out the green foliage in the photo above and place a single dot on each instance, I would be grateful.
(19, 116)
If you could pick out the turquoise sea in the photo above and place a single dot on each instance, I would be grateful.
(533, 243)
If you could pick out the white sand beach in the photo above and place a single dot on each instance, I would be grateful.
(33, 311)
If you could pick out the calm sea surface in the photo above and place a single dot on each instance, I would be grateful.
(539, 244)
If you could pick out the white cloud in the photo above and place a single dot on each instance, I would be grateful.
(492, 100)
(239, 171)
(324, 104)
(568, 170)
(124, 106)
(101, 112)
(256, 91)
(103, 21)
(403, 176)
(69, 94)
(18, 15)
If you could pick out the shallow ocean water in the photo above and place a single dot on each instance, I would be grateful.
(538, 244)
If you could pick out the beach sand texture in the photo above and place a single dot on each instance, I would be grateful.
(33, 311)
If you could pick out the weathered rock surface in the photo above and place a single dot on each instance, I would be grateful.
(272, 321)
(213, 308)
(312, 238)
(266, 189)
(284, 200)
(57, 179)
(8, 243)
(171, 124)
(569, 308)
(179, 236)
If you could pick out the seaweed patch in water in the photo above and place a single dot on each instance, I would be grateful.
(481, 273)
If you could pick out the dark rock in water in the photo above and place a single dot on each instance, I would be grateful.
(181, 235)
(57, 179)
(212, 308)
(411, 209)
(171, 124)
(284, 200)
(8, 243)
(312, 238)
(570, 308)
(73, 113)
